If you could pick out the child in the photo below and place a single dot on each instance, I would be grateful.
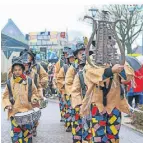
(18, 95)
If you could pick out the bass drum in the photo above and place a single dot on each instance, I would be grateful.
(28, 117)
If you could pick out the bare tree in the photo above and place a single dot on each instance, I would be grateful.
(131, 28)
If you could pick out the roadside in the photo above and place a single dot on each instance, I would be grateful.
(126, 121)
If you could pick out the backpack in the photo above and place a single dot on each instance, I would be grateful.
(10, 91)
(35, 79)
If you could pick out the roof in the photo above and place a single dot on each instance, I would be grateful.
(13, 31)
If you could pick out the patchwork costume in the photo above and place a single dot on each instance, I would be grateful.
(58, 65)
(60, 73)
(104, 98)
(106, 113)
(16, 94)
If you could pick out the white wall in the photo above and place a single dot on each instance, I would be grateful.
(6, 63)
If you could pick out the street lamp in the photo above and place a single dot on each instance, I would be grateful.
(93, 12)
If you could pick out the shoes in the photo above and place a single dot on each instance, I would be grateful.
(127, 116)
(52, 97)
(62, 120)
(69, 129)
(34, 132)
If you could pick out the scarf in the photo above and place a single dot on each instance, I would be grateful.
(19, 79)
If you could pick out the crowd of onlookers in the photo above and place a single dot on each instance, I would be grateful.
(134, 89)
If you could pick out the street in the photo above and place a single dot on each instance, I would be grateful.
(50, 130)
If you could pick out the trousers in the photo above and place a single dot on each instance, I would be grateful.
(20, 134)
(68, 111)
(81, 127)
(105, 127)
(61, 106)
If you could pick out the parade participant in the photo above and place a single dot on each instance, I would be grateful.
(35, 77)
(58, 66)
(104, 97)
(43, 76)
(106, 113)
(32, 74)
(68, 108)
(78, 52)
(73, 69)
(83, 134)
(61, 87)
(19, 95)
(50, 82)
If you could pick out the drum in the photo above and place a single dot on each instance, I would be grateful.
(28, 117)
(43, 103)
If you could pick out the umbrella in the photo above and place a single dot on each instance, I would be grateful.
(133, 62)
(52, 57)
(140, 58)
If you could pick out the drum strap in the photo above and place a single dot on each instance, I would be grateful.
(38, 68)
(29, 89)
(10, 92)
(35, 79)
(65, 68)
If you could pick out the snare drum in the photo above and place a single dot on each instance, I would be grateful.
(28, 117)
(43, 103)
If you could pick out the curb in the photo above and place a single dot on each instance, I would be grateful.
(132, 127)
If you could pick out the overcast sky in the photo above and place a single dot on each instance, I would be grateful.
(38, 17)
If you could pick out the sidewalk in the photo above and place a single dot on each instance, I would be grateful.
(126, 121)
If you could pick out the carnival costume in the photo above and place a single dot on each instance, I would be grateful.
(20, 93)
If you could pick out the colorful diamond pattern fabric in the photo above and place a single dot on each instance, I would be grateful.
(105, 127)
(21, 134)
(62, 107)
(68, 111)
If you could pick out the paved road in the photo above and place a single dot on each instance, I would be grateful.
(51, 130)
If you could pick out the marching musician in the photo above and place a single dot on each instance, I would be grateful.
(61, 86)
(35, 77)
(43, 76)
(78, 91)
(105, 110)
(78, 52)
(68, 108)
(58, 66)
(19, 95)
(104, 98)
